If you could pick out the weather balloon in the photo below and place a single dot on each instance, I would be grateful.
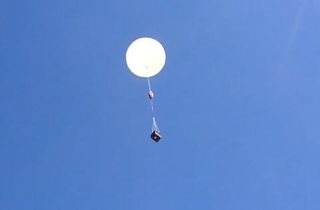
(145, 57)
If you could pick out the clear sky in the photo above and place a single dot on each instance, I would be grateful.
(238, 104)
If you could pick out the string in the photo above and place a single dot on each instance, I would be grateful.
(154, 123)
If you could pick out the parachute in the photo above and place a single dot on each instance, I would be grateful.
(145, 58)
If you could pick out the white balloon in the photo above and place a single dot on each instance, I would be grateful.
(145, 57)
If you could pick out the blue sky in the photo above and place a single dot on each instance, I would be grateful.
(237, 102)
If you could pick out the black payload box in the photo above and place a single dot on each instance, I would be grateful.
(156, 136)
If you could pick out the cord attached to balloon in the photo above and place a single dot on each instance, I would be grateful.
(155, 135)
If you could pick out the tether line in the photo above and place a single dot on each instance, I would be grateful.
(154, 123)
